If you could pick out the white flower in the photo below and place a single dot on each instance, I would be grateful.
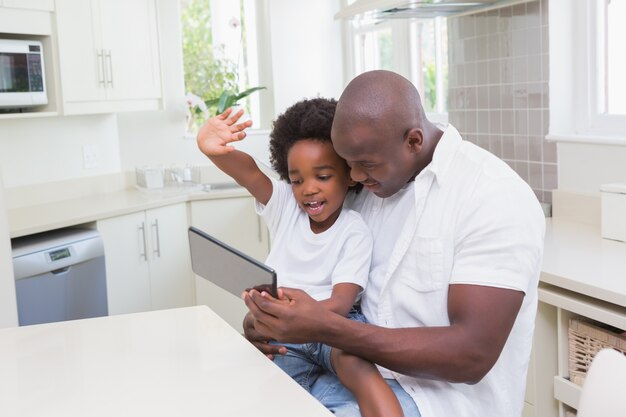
(234, 22)
(194, 102)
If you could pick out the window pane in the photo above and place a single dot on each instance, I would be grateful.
(430, 63)
(616, 58)
(373, 50)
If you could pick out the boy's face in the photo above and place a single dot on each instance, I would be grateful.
(319, 179)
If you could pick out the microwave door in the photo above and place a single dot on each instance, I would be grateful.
(14, 73)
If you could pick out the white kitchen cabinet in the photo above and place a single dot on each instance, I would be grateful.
(109, 55)
(234, 221)
(45, 5)
(147, 260)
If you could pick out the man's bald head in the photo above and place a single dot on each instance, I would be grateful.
(380, 97)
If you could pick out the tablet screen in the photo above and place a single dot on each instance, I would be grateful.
(227, 267)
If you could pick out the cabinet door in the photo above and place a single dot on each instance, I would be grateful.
(126, 253)
(80, 58)
(131, 55)
(234, 221)
(171, 281)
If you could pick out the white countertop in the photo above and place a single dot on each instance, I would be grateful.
(180, 362)
(57, 214)
(578, 259)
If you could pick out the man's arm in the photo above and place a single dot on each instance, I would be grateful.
(213, 139)
(481, 319)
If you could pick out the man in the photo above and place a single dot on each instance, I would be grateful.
(458, 241)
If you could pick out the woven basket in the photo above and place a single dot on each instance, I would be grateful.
(587, 339)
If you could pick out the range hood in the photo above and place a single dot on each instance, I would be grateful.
(420, 9)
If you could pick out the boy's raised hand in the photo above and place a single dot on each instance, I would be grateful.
(218, 131)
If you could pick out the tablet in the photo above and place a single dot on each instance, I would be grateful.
(227, 267)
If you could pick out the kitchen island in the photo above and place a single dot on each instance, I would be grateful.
(178, 362)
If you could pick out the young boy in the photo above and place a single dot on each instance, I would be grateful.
(317, 244)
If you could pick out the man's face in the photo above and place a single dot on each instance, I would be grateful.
(382, 164)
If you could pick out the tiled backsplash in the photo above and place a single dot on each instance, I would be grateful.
(498, 88)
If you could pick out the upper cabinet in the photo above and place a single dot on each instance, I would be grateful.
(108, 55)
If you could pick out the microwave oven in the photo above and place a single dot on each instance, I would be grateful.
(22, 74)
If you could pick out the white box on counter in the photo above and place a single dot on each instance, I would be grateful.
(613, 217)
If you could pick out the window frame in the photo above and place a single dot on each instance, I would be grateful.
(404, 55)
(578, 82)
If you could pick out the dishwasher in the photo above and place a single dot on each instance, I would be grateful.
(59, 275)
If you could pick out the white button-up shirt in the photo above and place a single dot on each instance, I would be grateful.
(468, 218)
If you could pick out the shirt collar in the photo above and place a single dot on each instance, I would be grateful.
(444, 152)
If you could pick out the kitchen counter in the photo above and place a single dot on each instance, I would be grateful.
(57, 214)
(578, 259)
(179, 362)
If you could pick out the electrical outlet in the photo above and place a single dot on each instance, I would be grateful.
(91, 158)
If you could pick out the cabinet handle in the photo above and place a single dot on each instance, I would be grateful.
(110, 67)
(142, 228)
(100, 58)
(158, 240)
(260, 232)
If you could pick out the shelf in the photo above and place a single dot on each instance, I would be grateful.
(28, 115)
(566, 391)
(592, 308)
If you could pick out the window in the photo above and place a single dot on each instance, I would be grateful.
(219, 50)
(587, 64)
(415, 48)
(615, 58)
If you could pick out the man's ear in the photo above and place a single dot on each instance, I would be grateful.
(415, 139)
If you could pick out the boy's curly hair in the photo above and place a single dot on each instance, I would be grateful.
(307, 119)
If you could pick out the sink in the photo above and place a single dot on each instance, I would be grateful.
(221, 186)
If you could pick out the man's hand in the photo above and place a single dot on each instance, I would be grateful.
(218, 131)
(260, 341)
(294, 317)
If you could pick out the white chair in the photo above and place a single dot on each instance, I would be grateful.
(604, 390)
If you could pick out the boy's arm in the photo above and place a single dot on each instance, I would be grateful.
(342, 298)
(213, 139)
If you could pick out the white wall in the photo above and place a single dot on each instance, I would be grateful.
(8, 307)
(584, 167)
(306, 46)
(39, 150)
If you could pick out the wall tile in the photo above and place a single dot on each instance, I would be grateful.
(495, 101)
(508, 122)
(520, 144)
(482, 97)
(549, 176)
(549, 151)
(521, 167)
(495, 122)
(535, 175)
(499, 95)
(506, 95)
(535, 149)
(535, 124)
(508, 147)
(521, 122)
(495, 145)
(520, 69)
(482, 118)
(533, 14)
(494, 71)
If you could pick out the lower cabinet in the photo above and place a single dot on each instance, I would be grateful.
(147, 260)
(235, 222)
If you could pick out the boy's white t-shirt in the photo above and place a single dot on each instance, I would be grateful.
(309, 261)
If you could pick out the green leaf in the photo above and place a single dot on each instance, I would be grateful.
(225, 101)
(248, 92)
